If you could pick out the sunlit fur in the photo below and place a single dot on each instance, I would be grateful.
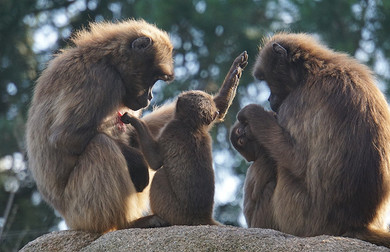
(79, 153)
(322, 163)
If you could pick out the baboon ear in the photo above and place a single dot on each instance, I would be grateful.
(279, 49)
(141, 43)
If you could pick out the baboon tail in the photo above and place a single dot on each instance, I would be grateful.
(375, 236)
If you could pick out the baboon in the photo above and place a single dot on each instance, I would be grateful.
(78, 149)
(182, 190)
(321, 163)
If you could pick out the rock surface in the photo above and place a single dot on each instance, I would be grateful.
(200, 238)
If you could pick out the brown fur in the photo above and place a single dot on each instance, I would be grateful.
(78, 149)
(182, 190)
(322, 163)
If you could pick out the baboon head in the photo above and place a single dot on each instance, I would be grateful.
(278, 65)
(138, 52)
(196, 107)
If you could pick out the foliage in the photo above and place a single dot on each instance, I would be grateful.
(207, 36)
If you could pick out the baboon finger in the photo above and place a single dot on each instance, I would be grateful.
(244, 59)
(125, 118)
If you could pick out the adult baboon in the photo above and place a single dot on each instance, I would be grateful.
(78, 149)
(322, 162)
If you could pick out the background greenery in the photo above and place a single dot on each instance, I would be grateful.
(207, 36)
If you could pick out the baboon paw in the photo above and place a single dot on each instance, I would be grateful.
(244, 60)
(250, 111)
(238, 66)
(125, 118)
(128, 119)
(241, 61)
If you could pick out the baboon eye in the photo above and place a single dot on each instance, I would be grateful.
(165, 77)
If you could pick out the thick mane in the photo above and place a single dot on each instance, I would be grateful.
(103, 31)
(317, 57)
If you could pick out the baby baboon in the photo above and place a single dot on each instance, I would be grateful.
(260, 178)
(78, 148)
(182, 190)
(321, 165)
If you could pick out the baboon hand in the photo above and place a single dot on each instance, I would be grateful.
(241, 62)
(256, 119)
(250, 111)
(236, 69)
(127, 119)
(227, 92)
(238, 66)
(138, 124)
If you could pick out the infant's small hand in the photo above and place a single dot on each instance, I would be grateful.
(126, 118)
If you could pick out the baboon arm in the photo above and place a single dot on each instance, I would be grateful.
(224, 98)
(149, 146)
(137, 166)
(268, 133)
(159, 118)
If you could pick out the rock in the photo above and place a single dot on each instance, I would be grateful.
(61, 241)
(199, 238)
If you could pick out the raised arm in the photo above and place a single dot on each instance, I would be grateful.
(149, 145)
(224, 98)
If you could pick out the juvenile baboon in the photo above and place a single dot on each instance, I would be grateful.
(182, 190)
(78, 148)
(321, 164)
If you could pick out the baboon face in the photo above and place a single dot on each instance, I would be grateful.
(197, 107)
(280, 73)
(242, 141)
(142, 62)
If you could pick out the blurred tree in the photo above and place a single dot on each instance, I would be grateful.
(207, 36)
